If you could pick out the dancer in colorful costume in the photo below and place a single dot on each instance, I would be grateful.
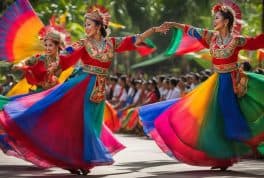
(62, 126)
(222, 119)
(43, 70)
(40, 71)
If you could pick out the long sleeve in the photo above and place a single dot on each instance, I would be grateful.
(69, 60)
(122, 44)
(251, 43)
(203, 35)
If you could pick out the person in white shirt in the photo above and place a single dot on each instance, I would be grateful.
(160, 85)
(166, 88)
(123, 92)
(115, 90)
(174, 91)
(195, 80)
(136, 101)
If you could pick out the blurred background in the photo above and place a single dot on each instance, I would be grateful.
(132, 17)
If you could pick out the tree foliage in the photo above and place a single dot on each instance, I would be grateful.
(138, 15)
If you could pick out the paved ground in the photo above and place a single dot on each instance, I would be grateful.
(142, 158)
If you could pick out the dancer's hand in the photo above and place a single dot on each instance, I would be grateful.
(162, 29)
(146, 34)
(168, 25)
(16, 67)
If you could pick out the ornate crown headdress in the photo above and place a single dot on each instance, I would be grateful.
(98, 13)
(230, 5)
(55, 32)
(53, 35)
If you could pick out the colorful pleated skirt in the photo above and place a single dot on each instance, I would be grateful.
(210, 126)
(60, 127)
(111, 119)
(3, 100)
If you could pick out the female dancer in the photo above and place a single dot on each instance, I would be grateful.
(222, 119)
(62, 126)
(40, 70)
(43, 70)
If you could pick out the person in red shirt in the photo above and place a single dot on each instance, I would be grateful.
(153, 94)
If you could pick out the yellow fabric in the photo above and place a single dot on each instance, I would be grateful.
(26, 42)
(200, 97)
(22, 87)
(65, 74)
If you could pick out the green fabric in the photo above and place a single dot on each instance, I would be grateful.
(127, 117)
(212, 139)
(252, 104)
(174, 44)
(150, 43)
(149, 62)
(3, 101)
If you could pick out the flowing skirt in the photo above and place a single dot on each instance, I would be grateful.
(111, 119)
(210, 126)
(60, 127)
(3, 100)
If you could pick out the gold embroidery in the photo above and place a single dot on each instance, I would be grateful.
(98, 93)
(228, 51)
(241, 41)
(78, 44)
(240, 81)
(104, 55)
(225, 52)
(95, 70)
(225, 68)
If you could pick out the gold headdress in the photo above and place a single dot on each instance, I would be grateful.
(55, 32)
(53, 35)
(225, 5)
(98, 13)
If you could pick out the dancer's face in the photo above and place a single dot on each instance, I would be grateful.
(91, 28)
(51, 48)
(219, 22)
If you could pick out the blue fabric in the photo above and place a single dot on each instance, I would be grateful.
(3, 144)
(235, 124)
(94, 150)
(26, 117)
(149, 113)
(195, 32)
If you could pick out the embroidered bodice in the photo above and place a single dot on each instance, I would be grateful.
(224, 54)
(91, 54)
(41, 70)
(96, 59)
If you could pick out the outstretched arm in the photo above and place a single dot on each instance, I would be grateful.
(141, 37)
(26, 62)
(69, 60)
(129, 43)
(203, 35)
(251, 43)
(166, 25)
